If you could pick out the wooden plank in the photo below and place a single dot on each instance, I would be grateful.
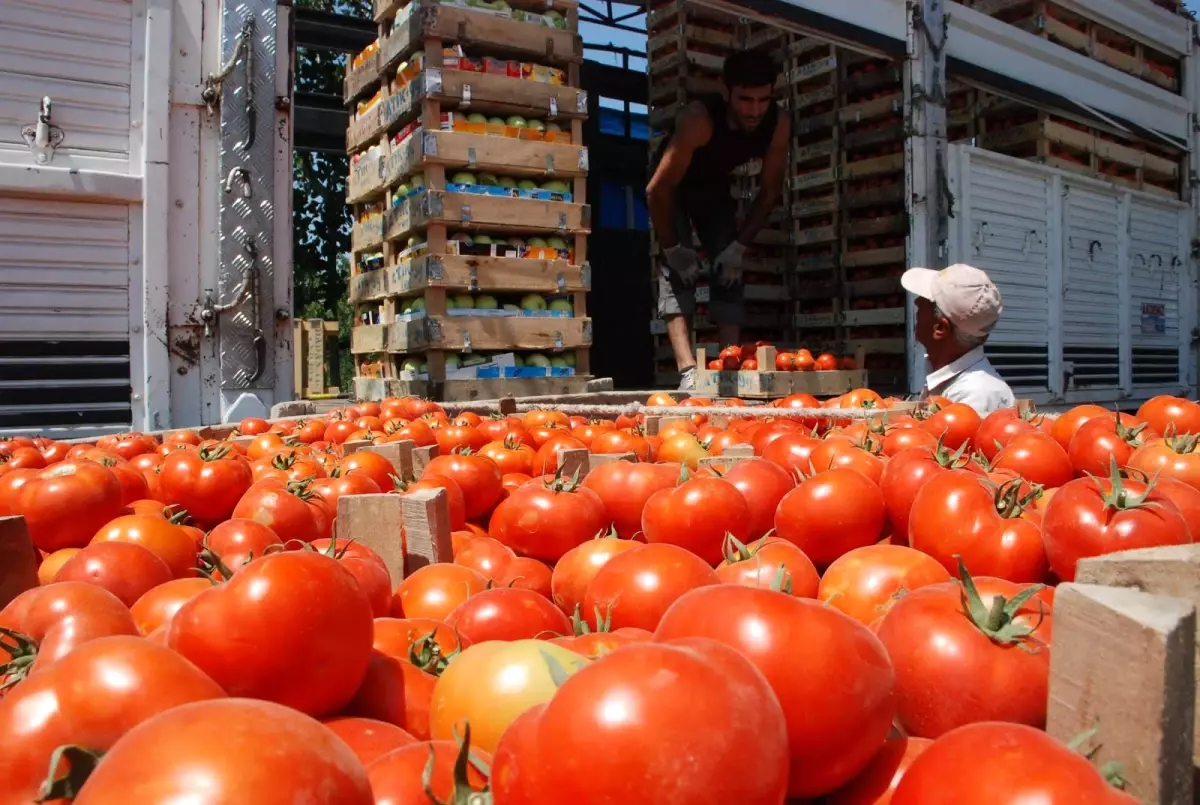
(367, 234)
(884, 225)
(421, 458)
(811, 235)
(19, 559)
(1172, 572)
(869, 110)
(376, 521)
(470, 211)
(1124, 663)
(573, 461)
(890, 163)
(507, 155)
(368, 286)
(361, 78)
(314, 374)
(874, 257)
(399, 453)
(426, 529)
(366, 179)
(368, 338)
(501, 274)
(509, 332)
(465, 391)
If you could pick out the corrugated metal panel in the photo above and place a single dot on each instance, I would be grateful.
(1154, 266)
(64, 314)
(77, 52)
(1007, 237)
(1091, 324)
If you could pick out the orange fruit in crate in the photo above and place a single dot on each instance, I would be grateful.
(785, 362)
(804, 361)
(826, 362)
(750, 365)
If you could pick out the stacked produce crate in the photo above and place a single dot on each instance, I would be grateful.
(469, 272)
(1105, 153)
(847, 205)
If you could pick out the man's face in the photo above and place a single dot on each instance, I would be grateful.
(924, 327)
(749, 106)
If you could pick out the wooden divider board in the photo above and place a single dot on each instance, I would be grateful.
(407, 531)
(18, 559)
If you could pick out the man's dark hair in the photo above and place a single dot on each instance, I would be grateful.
(750, 68)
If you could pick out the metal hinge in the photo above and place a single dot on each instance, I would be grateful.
(43, 136)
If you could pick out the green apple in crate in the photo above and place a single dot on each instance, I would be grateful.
(537, 361)
(486, 302)
(533, 302)
(562, 305)
(464, 177)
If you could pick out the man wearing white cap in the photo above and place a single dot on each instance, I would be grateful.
(957, 308)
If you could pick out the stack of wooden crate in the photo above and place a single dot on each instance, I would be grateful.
(468, 182)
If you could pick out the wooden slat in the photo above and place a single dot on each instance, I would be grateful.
(18, 559)
(511, 332)
(470, 212)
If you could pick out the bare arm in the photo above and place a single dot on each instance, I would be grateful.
(693, 129)
(771, 185)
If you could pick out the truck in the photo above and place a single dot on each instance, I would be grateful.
(145, 204)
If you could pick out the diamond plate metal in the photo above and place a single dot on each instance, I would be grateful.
(243, 220)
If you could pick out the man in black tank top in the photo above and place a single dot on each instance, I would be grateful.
(691, 187)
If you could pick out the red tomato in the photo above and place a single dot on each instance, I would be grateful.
(767, 563)
(1093, 517)
(830, 514)
(545, 520)
(302, 625)
(897, 439)
(369, 463)
(826, 362)
(1036, 457)
(840, 453)
(157, 606)
(578, 566)
(624, 487)
(1103, 439)
(289, 509)
(597, 644)
(366, 566)
(527, 573)
(998, 429)
(954, 425)
(61, 617)
(368, 738)
(832, 676)
(957, 664)
(637, 586)
(10, 487)
(791, 450)
(489, 557)
(455, 500)
(696, 684)
(866, 582)
(1068, 424)
(1003, 764)
(771, 431)
(66, 504)
(396, 692)
(763, 485)
(134, 485)
(456, 437)
(1171, 415)
(618, 441)
(507, 614)
(697, 515)
(169, 542)
(878, 781)
(220, 741)
(207, 483)
(906, 473)
(125, 569)
(25, 458)
(331, 490)
(237, 541)
(399, 776)
(91, 699)
(959, 514)
(1171, 457)
(478, 477)
(435, 590)
(510, 455)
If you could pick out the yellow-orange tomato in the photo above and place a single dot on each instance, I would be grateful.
(435, 590)
(682, 448)
(51, 564)
(157, 606)
(492, 683)
(865, 582)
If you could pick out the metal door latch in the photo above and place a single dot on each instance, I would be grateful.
(43, 137)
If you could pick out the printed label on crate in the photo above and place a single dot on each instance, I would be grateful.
(817, 319)
(408, 275)
(498, 191)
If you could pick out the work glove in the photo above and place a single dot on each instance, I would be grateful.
(683, 262)
(728, 266)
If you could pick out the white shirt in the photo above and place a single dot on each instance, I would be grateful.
(972, 380)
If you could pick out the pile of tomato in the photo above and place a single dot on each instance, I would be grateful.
(861, 614)
(745, 358)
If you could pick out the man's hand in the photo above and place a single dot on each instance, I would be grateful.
(683, 262)
(728, 266)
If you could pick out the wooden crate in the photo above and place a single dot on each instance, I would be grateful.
(772, 384)
(315, 347)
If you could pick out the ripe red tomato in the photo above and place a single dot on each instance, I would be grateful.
(366, 566)
(836, 452)
(998, 429)
(897, 438)
(157, 606)
(510, 455)
(368, 738)
(763, 485)
(507, 614)
(369, 463)
(289, 509)
(596, 644)
(10, 486)
(993, 675)
(169, 542)
(478, 477)
(906, 473)
(221, 742)
(878, 781)
(1001, 764)
(1064, 428)
(302, 625)
(954, 425)
(527, 573)
(435, 590)
(399, 776)
(637, 586)
(1171, 415)
(489, 557)
(619, 441)
(790, 450)
(831, 674)
(67, 503)
(394, 691)
(578, 566)
(830, 514)
(958, 513)
(1170, 457)
(1036, 457)
(239, 540)
(91, 698)
(697, 515)
(207, 483)
(545, 520)
(826, 362)
(456, 502)
(696, 684)
(126, 569)
(866, 582)
(767, 562)
(61, 617)
(1103, 439)
(134, 485)
(1093, 517)
(624, 487)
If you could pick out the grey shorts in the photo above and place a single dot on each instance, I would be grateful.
(714, 218)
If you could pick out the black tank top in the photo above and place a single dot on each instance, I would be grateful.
(728, 148)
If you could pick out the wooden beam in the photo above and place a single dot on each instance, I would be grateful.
(1123, 663)
(426, 529)
(376, 521)
(421, 458)
(399, 453)
(19, 560)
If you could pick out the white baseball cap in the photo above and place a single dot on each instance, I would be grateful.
(964, 294)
